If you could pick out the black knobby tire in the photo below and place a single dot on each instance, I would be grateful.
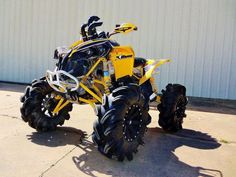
(122, 121)
(172, 107)
(33, 112)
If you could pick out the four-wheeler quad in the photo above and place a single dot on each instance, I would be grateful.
(96, 70)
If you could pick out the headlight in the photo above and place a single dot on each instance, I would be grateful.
(60, 52)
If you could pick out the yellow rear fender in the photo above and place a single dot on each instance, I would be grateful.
(151, 68)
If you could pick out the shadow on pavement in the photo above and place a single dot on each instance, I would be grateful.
(60, 137)
(156, 158)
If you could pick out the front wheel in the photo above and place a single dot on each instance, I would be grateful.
(172, 107)
(38, 105)
(122, 122)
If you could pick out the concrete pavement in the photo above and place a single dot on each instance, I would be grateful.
(206, 146)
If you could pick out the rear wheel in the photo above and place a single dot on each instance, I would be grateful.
(38, 105)
(172, 107)
(122, 122)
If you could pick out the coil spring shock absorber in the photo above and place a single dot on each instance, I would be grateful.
(106, 75)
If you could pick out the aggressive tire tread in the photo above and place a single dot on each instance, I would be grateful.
(108, 129)
(172, 107)
(31, 108)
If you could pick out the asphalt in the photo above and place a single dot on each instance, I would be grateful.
(205, 147)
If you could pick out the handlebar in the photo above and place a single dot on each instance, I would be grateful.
(92, 32)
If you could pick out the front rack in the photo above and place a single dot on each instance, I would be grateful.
(62, 81)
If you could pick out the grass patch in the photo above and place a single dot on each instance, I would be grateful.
(224, 141)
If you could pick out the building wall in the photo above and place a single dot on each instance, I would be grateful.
(199, 35)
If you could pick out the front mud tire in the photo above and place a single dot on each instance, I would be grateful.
(122, 121)
(33, 112)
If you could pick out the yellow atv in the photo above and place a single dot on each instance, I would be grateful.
(96, 70)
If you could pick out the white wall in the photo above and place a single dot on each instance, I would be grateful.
(199, 35)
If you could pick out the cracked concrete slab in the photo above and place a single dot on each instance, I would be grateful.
(206, 146)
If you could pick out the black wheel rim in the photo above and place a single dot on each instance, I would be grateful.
(132, 123)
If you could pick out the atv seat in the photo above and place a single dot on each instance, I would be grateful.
(138, 61)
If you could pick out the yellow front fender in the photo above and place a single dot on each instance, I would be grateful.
(75, 44)
(151, 67)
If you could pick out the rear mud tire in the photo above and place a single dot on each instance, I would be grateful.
(122, 121)
(172, 107)
(31, 110)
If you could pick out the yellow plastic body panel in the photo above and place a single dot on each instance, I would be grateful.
(75, 44)
(153, 65)
(80, 43)
(122, 58)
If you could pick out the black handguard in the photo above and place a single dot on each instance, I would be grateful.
(93, 19)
